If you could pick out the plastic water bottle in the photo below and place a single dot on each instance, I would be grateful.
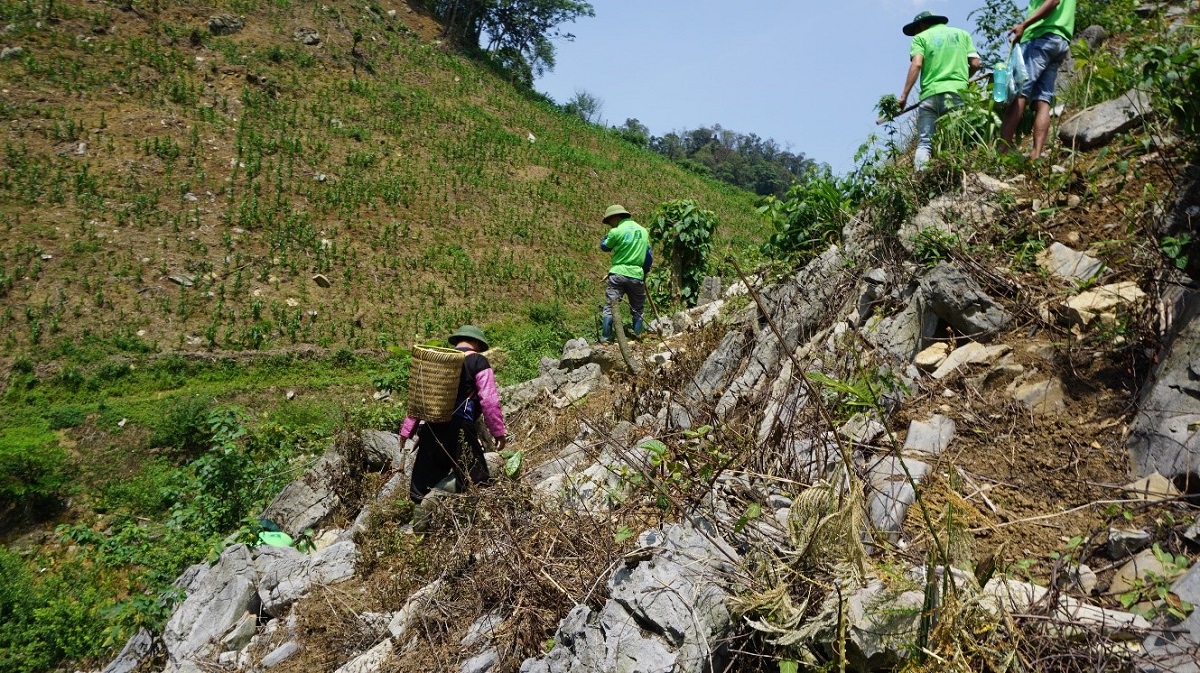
(1000, 83)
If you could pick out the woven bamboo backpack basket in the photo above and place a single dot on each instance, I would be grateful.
(433, 382)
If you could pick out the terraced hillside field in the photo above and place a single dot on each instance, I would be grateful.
(168, 185)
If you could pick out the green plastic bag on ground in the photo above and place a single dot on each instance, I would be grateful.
(275, 538)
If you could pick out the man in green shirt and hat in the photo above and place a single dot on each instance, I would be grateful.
(629, 243)
(1045, 37)
(944, 58)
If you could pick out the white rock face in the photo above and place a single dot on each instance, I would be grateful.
(1067, 264)
(1104, 303)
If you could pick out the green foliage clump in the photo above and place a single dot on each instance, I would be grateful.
(889, 107)
(34, 469)
(393, 375)
(684, 233)
(521, 345)
(1114, 16)
(51, 617)
(809, 217)
(992, 22)
(1172, 71)
(68, 416)
(185, 428)
(973, 125)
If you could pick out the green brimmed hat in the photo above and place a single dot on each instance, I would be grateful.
(469, 332)
(922, 21)
(614, 210)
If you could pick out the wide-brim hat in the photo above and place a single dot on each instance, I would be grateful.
(922, 21)
(469, 332)
(614, 210)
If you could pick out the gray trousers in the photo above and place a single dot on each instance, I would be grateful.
(624, 285)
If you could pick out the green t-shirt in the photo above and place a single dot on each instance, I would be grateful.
(1060, 22)
(946, 51)
(628, 242)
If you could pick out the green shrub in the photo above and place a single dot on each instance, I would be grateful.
(69, 416)
(185, 427)
(58, 616)
(809, 218)
(147, 493)
(34, 470)
(684, 234)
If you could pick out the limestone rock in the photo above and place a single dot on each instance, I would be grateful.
(957, 299)
(1096, 125)
(1068, 264)
(973, 353)
(384, 451)
(481, 663)
(881, 626)
(224, 24)
(666, 612)
(215, 602)
(932, 436)
(902, 334)
(575, 354)
(281, 654)
(482, 630)
(949, 214)
(862, 429)
(710, 290)
(1104, 302)
(1163, 435)
(570, 458)
(1152, 488)
(1078, 578)
(1123, 543)
(305, 502)
(136, 650)
(371, 660)
(286, 574)
(982, 182)
(717, 370)
(307, 36)
(1174, 650)
(1138, 568)
(930, 358)
(691, 319)
(1016, 597)
(580, 383)
(1044, 398)
(891, 492)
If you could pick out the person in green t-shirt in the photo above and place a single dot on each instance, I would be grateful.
(629, 243)
(944, 58)
(1045, 37)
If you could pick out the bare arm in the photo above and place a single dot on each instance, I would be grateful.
(1041, 13)
(914, 71)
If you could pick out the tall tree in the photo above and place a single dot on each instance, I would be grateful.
(518, 33)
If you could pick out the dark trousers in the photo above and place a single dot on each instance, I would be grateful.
(443, 448)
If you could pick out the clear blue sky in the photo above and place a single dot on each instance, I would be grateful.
(807, 74)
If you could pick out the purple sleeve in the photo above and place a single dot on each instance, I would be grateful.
(410, 424)
(489, 401)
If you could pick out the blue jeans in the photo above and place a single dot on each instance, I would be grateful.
(1043, 56)
(927, 115)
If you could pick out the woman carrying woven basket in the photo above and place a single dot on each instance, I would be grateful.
(442, 447)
